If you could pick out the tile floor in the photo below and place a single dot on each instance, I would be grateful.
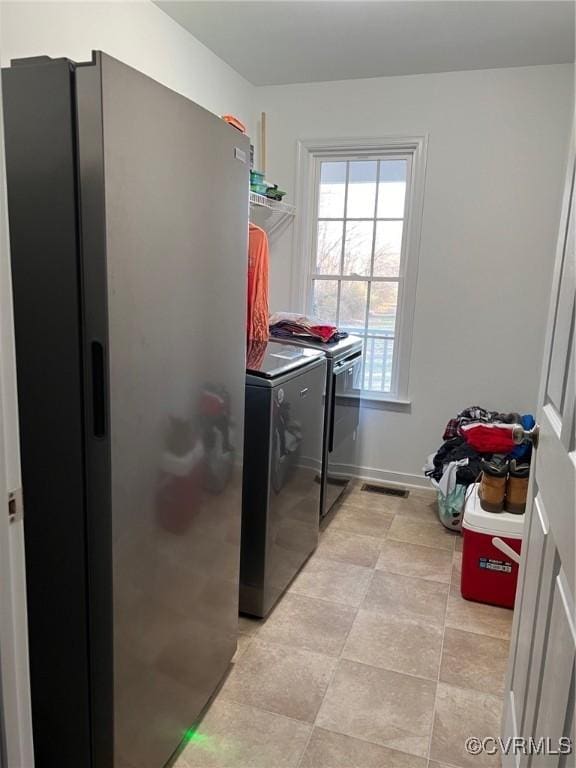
(371, 660)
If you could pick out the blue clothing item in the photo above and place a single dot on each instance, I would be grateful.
(524, 450)
(528, 421)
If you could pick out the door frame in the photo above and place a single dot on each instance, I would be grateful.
(509, 725)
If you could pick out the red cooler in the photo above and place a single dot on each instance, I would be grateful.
(490, 553)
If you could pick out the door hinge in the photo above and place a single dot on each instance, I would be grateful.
(15, 505)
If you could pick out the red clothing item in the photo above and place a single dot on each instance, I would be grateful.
(293, 324)
(489, 438)
(258, 269)
(255, 354)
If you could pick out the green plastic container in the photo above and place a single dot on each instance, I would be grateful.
(257, 177)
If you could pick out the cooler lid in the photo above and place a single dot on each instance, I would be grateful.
(499, 524)
(272, 359)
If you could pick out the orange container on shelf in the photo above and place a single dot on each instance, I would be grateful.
(234, 122)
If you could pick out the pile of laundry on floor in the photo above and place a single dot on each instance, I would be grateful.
(286, 325)
(474, 435)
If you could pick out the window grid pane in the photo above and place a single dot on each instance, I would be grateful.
(360, 221)
(332, 189)
(358, 248)
(392, 188)
(388, 248)
(353, 298)
(362, 181)
(329, 247)
(325, 300)
(378, 361)
(382, 310)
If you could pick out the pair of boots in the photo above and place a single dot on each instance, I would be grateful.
(504, 487)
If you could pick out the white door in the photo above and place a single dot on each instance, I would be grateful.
(15, 718)
(540, 687)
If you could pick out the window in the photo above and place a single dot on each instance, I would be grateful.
(361, 253)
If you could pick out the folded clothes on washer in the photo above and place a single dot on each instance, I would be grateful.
(287, 325)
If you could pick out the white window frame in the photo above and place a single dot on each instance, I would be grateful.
(310, 153)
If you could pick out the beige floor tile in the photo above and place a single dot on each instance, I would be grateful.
(461, 713)
(426, 491)
(313, 625)
(474, 661)
(239, 736)
(415, 560)
(421, 506)
(458, 543)
(456, 568)
(330, 580)
(334, 750)
(380, 706)
(434, 764)
(366, 500)
(406, 597)
(248, 625)
(353, 487)
(477, 617)
(349, 547)
(415, 531)
(243, 643)
(279, 679)
(370, 520)
(396, 643)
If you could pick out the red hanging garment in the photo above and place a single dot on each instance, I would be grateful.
(258, 269)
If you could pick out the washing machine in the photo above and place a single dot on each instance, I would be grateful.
(283, 430)
(341, 417)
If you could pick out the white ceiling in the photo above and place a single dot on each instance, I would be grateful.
(273, 42)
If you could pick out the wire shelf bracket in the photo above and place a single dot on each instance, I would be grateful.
(279, 213)
(276, 206)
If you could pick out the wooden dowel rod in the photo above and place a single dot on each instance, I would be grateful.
(263, 142)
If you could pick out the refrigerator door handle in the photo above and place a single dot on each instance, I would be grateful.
(98, 391)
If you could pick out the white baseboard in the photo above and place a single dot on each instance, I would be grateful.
(384, 476)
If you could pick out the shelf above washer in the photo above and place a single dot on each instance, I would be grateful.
(276, 206)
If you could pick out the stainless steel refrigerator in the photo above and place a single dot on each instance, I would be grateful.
(128, 213)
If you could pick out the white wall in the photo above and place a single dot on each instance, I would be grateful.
(496, 160)
(136, 32)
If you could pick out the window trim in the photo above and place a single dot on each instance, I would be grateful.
(310, 152)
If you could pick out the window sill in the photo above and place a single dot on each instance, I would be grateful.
(378, 402)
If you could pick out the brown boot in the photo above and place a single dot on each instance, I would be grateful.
(493, 486)
(517, 488)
